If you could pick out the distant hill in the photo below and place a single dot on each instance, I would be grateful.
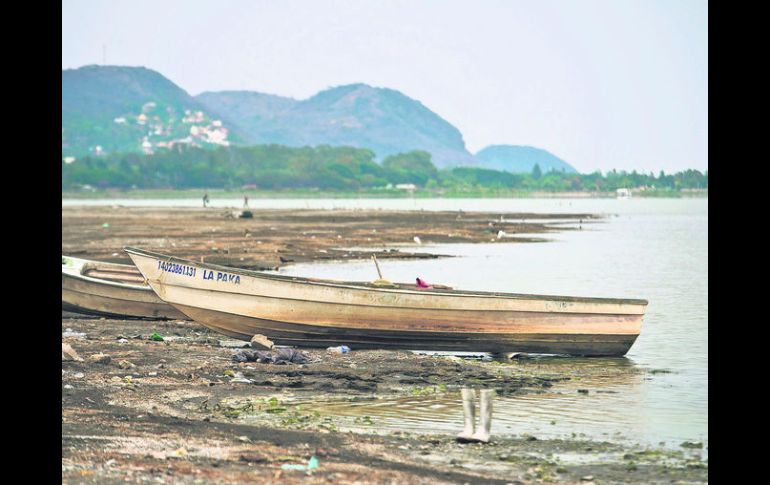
(108, 109)
(383, 120)
(520, 159)
(132, 109)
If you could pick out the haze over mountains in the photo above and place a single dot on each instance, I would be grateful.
(134, 109)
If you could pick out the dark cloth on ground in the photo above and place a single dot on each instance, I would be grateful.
(280, 356)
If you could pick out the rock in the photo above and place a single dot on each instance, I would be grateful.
(99, 358)
(692, 445)
(251, 458)
(261, 342)
(587, 478)
(68, 353)
(67, 386)
(124, 364)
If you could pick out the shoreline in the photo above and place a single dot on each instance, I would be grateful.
(276, 237)
(181, 410)
(141, 194)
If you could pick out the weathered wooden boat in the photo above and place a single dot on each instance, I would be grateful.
(306, 312)
(109, 289)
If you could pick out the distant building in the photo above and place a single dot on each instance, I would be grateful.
(147, 146)
(623, 193)
(406, 186)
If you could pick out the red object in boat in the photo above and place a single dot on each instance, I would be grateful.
(422, 284)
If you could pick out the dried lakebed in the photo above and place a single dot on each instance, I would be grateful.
(183, 411)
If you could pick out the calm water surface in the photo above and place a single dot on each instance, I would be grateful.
(656, 249)
(651, 249)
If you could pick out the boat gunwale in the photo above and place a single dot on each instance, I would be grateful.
(77, 274)
(364, 287)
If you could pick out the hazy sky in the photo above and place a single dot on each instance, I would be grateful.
(601, 83)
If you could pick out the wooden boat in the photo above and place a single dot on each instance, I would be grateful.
(307, 312)
(110, 289)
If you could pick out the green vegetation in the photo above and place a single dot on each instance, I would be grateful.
(343, 170)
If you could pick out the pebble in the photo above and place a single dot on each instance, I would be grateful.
(99, 358)
(124, 364)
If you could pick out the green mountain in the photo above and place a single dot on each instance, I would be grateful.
(132, 109)
(108, 109)
(520, 159)
(383, 120)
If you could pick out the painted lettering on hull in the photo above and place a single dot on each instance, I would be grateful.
(190, 271)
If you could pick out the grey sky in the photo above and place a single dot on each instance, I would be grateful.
(601, 83)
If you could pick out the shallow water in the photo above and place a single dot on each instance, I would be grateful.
(652, 249)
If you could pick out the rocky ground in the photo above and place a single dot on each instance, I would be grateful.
(182, 411)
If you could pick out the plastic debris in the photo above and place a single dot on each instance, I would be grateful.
(233, 343)
(105, 225)
(312, 464)
(342, 349)
(238, 377)
(156, 337)
(69, 333)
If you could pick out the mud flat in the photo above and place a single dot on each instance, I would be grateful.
(273, 238)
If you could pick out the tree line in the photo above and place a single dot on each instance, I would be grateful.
(324, 167)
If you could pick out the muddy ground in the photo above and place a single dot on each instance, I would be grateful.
(273, 238)
(182, 411)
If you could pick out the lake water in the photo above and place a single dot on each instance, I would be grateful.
(656, 249)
